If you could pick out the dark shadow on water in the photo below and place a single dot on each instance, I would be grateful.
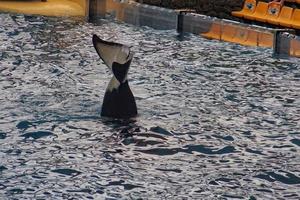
(124, 128)
(16, 191)
(170, 170)
(227, 138)
(23, 125)
(117, 123)
(184, 36)
(161, 130)
(122, 183)
(37, 134)
(81, 191)
(189, 149)
(68, 172)
(294, 141)
(2, 136)
(288, 178)
(2, 168)
(254, 151)
(206, 150)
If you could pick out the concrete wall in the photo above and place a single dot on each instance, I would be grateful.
(84, 4)
(97, 8)
(135, 13)
(209, 27)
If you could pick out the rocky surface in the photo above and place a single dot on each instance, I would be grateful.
(217, 8)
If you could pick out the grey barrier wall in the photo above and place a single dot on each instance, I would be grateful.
(210, 27)
(155, 17)
(195, 23)
(131, 14)
(143, 15)
(282, 42)
(97, 8)
(287, 44)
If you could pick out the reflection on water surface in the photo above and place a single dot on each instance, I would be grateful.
(217, 120)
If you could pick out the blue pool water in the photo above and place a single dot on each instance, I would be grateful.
(216, 120)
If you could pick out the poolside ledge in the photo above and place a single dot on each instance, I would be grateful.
(67, 8)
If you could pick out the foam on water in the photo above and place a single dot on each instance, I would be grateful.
(216, 120)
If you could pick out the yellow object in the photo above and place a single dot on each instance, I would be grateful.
(228, 33)
(295, 47)
(214, 32)
(260, 12)
(296, 19)
(252, 39)
(65, 8)
(241, 35)
(273, 12)
(265, 40)
(248, 9)
(285, 16)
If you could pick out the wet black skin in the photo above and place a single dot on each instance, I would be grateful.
(119, 103)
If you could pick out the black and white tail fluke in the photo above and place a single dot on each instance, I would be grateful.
(118, 101)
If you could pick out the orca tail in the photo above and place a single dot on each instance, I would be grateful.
(118, 101)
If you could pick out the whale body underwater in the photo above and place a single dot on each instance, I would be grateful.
(118, 101)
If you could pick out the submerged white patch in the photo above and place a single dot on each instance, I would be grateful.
(113, 84)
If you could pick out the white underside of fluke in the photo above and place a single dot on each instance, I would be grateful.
(111, 54)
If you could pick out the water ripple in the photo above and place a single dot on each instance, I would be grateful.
(216, 120)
